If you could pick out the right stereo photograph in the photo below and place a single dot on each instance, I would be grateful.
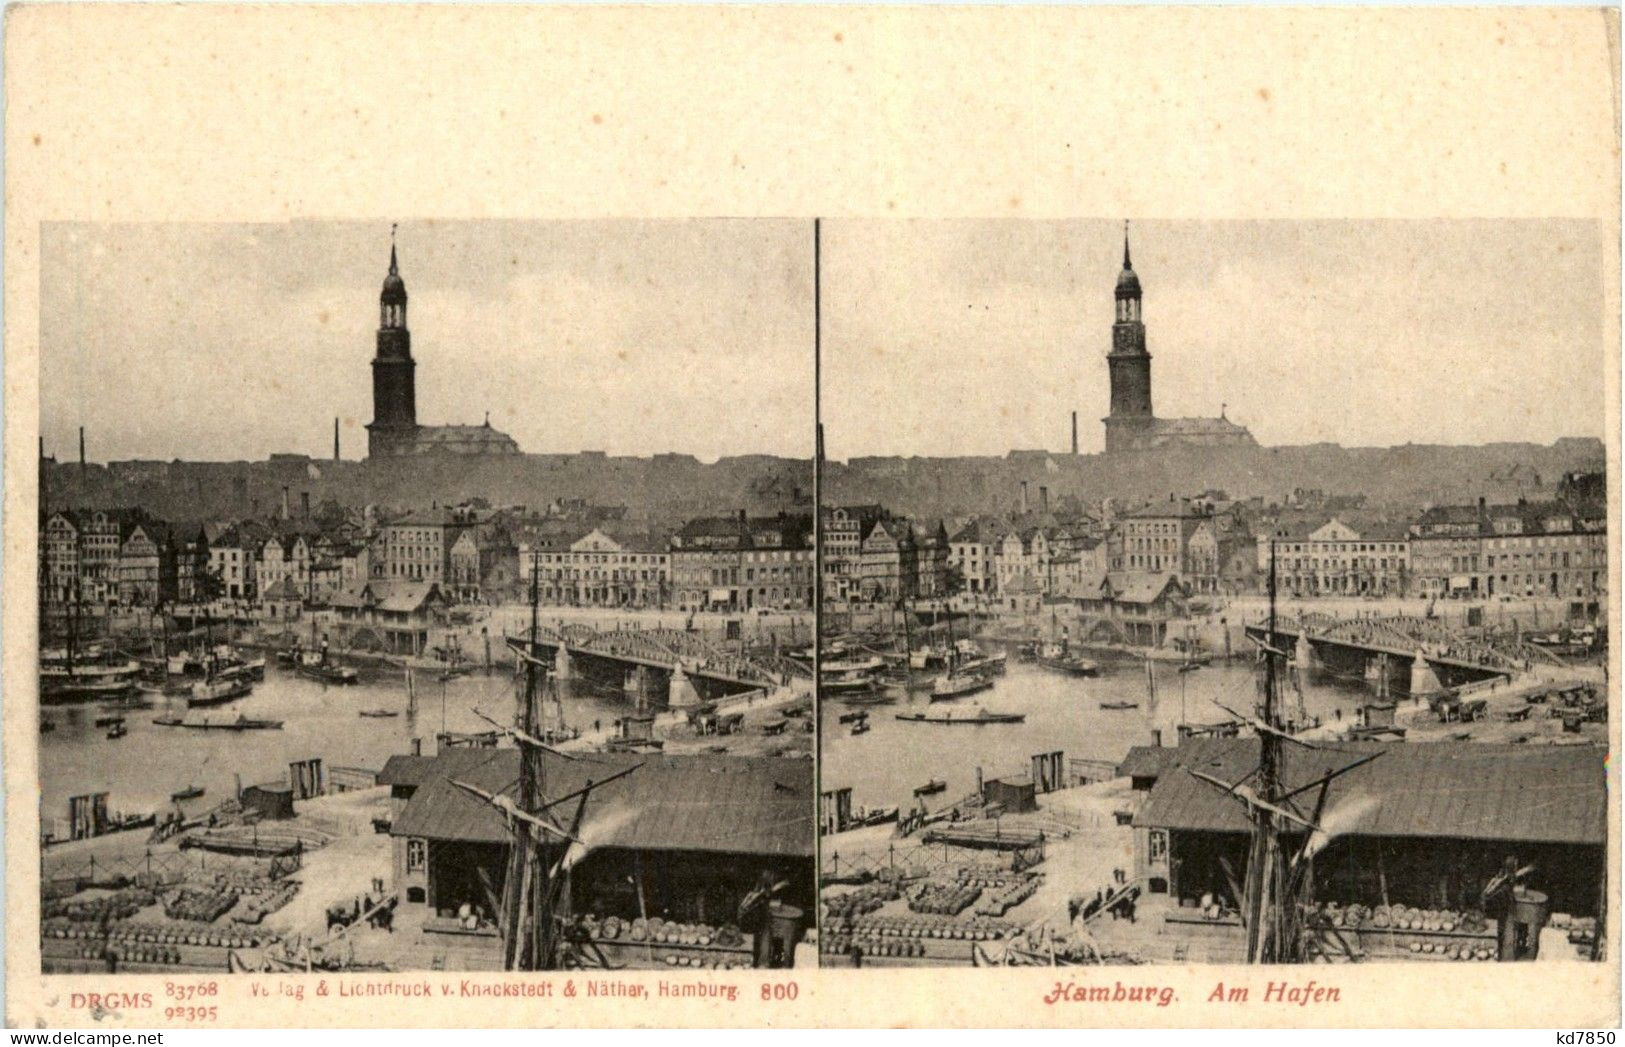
(1212, 592)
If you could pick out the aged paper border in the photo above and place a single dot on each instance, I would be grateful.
(122, 113)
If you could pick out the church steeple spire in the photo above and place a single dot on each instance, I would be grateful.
(1126, 263)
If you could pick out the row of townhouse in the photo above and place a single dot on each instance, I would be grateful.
(871, 556)
(1555, 548)
(1012, 566)
(741, 563)
(1526, 549)
(129, 558)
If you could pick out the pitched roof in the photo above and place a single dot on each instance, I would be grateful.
(284, 589)
(1458, 790)
(718, 804)
(1145, 761)
(1133, 587)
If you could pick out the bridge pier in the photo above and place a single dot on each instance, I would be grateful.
(1303, 653)
(680, 692)
(1423, 679)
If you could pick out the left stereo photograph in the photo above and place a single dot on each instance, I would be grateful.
(426, 596)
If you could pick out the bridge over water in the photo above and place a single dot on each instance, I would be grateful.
(1415, 655)
(656, 666)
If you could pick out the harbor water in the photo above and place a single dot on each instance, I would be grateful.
(886, 764)
(143, 769)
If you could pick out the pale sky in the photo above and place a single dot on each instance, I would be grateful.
(940, 337)
(976, 337)
(234, 341)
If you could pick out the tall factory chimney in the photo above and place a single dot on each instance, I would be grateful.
(1074, 434)
(81, 448)
(336, 440)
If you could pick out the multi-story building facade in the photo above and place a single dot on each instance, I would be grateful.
(739, 564)
(845, 527)
(600, 569)
(1317, 557)
(887, 563)
(417, 547)
(1554, 549)
(59, 551)
(146, 565)
(101, 538)
(484, 565)
(231, 559)
(1171, 538)
(931, 552)
(285, 557)
(971, 553)
(194, 577)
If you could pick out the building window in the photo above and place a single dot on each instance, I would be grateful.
(416, 851)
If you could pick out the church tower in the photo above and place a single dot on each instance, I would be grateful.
(1131, 422)
(394, 424)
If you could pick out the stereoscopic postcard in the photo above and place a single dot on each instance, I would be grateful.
(811, 517)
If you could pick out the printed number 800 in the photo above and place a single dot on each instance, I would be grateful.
(780, 992)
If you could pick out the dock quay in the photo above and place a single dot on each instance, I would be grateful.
(1151, 842)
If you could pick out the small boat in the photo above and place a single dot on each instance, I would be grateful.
(866, 698)
(958, 685)
(248, 670)
(985, 664)
(218, 691)
(191, 792)
(201, 722)
(109, 719)
(866, 665)
(861, 727)
(974, 718)
(1119, 705)
(327, 672)
(851, 681)
(1189, 667)
(379, 714)
(931, 788)
(118, 730)
(861, 714)
(1071, 664)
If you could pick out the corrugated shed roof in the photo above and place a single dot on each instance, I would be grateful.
(1460, 790)
(721, 804)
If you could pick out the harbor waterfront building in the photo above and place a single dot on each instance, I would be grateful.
(1553, 548)
(394, 431)
(417, 547)
(740, 563)
(1132, 425)
(684, 837)
(1336, 558)
(1175, 538)
(1446, 816)
(600, 569)
(845, 527)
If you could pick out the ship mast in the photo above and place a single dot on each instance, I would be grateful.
(1279, 876)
